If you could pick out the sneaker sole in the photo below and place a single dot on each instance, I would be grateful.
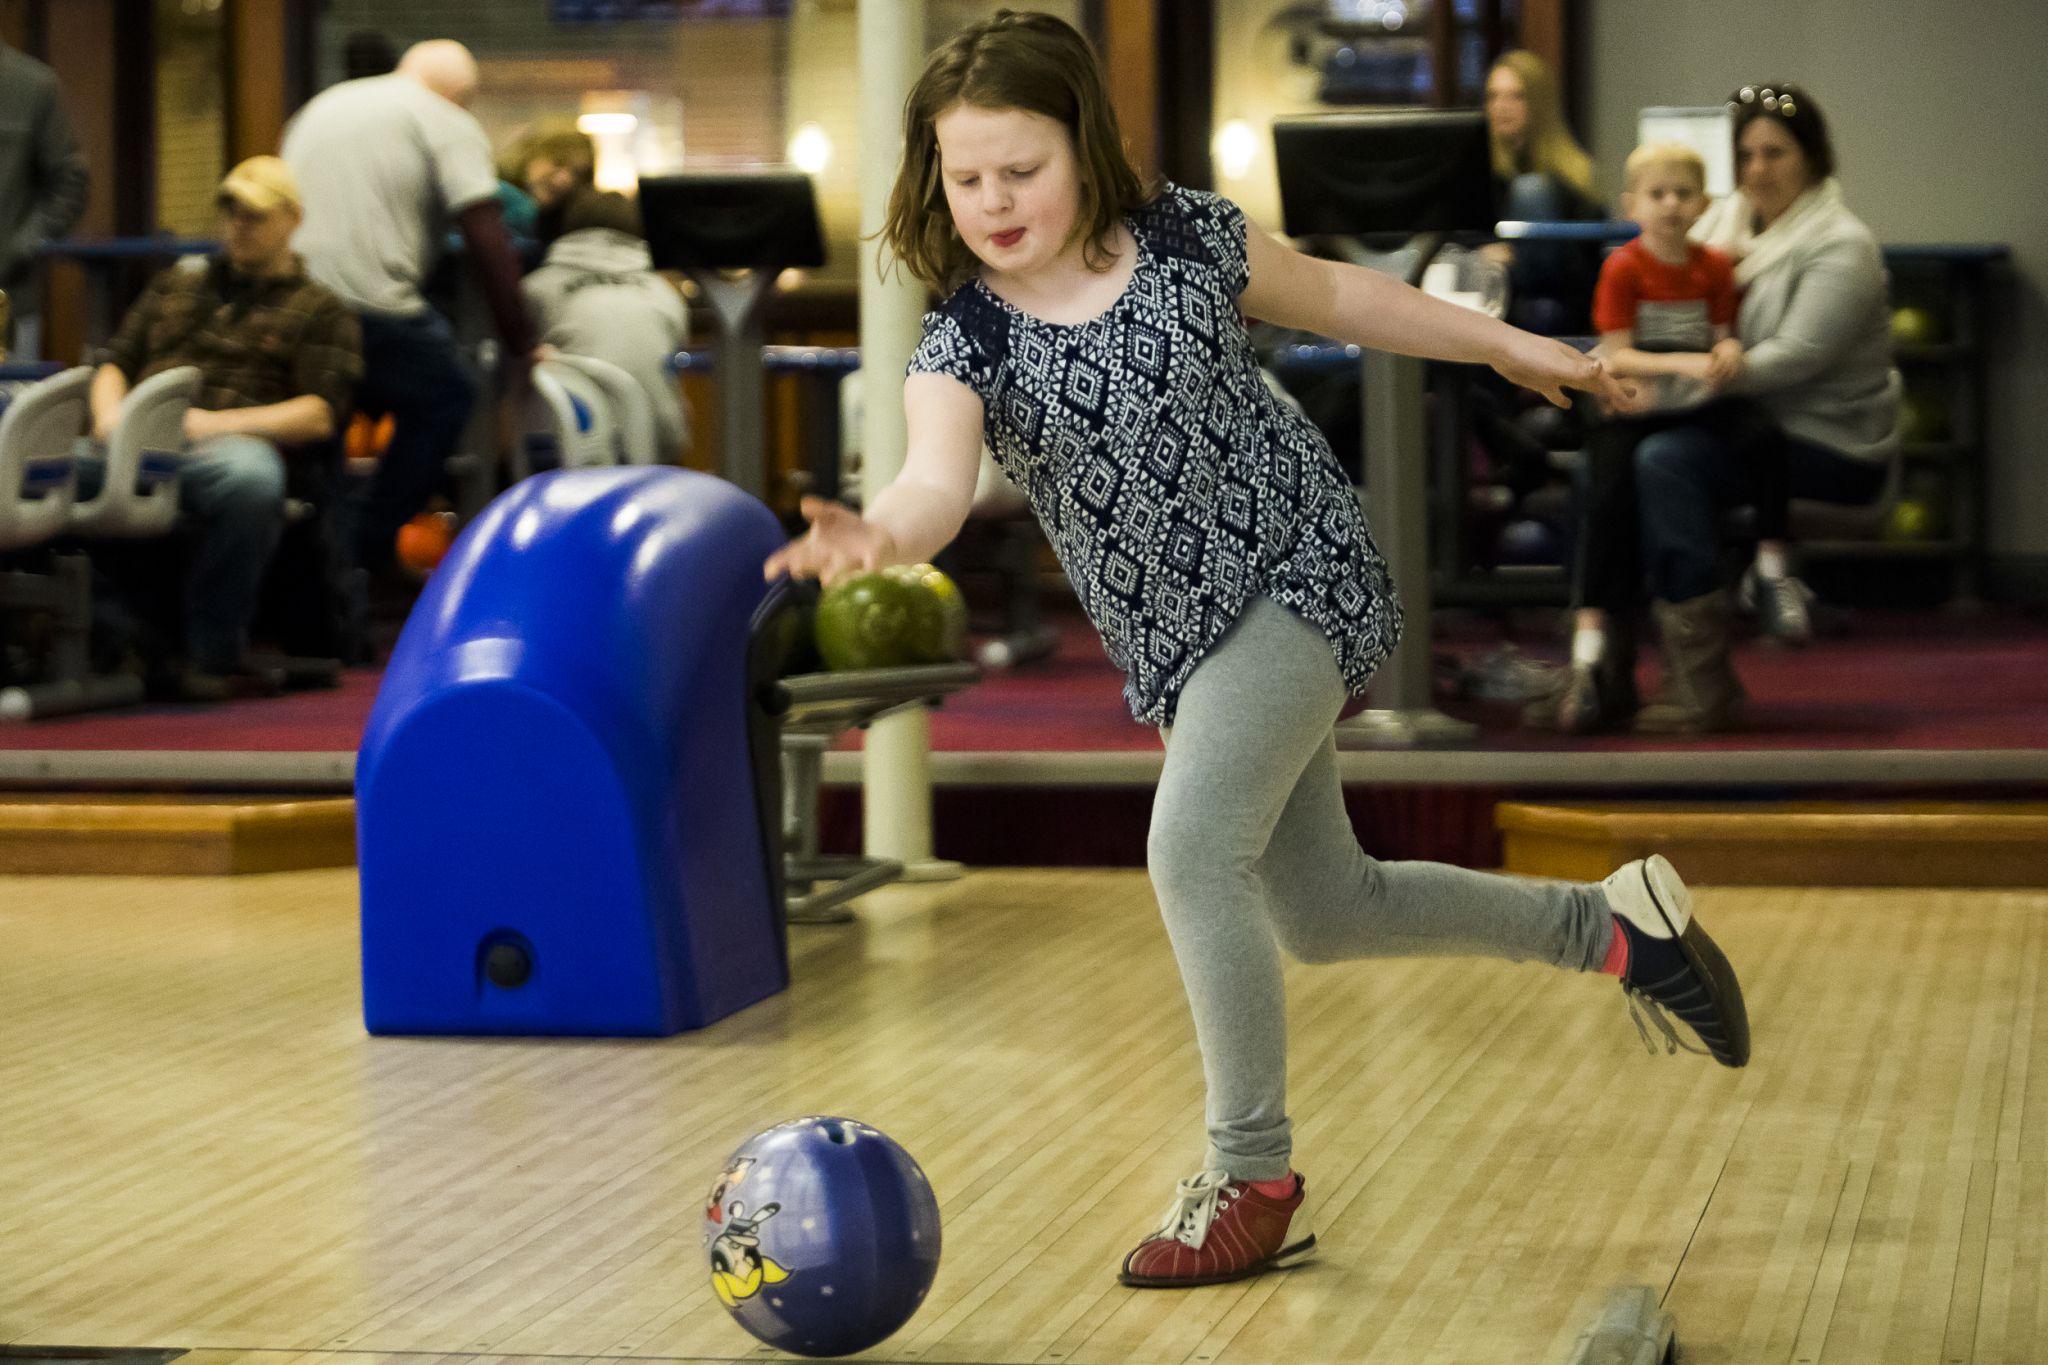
(1286, 1258)
(1705, 957)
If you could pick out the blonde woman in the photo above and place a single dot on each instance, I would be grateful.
(1541, 174)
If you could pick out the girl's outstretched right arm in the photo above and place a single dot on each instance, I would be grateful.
(919, 513)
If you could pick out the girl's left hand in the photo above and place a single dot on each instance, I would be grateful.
(1550, 366)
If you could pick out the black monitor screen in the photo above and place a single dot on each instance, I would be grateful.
(1394, 170)
(763, 220)
(614, 11)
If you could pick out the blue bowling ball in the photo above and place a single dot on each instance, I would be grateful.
(1528, 541)
(823, 1236)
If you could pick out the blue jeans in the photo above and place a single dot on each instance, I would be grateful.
(1607, 560)
(411, 371)
(1686, 478)
(232, 488)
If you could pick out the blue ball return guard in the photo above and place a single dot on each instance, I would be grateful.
(568, 816)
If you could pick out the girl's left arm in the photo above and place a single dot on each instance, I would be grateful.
(1373, 309)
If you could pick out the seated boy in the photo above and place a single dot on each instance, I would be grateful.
(598, 295)
(1665, 308)
(278, 356)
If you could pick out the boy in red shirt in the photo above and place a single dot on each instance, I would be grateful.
(1665, 308)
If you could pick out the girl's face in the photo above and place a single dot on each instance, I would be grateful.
(1012, 185)
(1770, 168)
(1507, 105)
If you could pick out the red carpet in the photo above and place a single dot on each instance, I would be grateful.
(1902, 680)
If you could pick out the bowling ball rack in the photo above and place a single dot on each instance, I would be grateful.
(816, 709)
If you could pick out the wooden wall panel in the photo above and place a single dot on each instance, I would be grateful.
(259, 42)
(1130, 57)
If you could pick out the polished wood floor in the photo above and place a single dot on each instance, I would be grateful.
(199, 1147)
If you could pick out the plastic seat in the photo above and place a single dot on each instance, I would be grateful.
(38, 472)
(139, 496)
(38, 483)
(568, 423)
(631, 410)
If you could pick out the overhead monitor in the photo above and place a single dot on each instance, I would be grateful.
(732, 220)
(619, 11)
(1384, 171)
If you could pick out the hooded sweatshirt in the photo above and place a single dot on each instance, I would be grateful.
(597, 295)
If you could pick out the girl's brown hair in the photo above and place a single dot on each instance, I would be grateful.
(1548, 146)
(1034, 62)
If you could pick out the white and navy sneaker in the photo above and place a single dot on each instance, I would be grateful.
(1673, 964)
(1783, 606)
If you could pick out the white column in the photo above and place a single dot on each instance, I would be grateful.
(896, 781)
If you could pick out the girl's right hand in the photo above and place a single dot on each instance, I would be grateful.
(1550, 366)
(839, 543)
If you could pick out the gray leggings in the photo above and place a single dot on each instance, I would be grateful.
(1251, 851)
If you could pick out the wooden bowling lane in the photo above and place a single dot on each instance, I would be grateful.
(204, 1150)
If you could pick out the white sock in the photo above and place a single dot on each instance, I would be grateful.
(1588, 644)
(1771, 563)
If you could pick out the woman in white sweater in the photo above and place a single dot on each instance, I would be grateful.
(1815, 330)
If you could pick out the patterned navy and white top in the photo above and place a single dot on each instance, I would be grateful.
(1172, 483)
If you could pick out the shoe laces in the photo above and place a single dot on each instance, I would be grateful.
(1197, 1201)
(1782, 604)
(1641, 1002)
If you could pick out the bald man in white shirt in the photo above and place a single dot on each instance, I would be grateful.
(387, 166)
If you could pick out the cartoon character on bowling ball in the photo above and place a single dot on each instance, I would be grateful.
(714, 1211)
(738, 1266)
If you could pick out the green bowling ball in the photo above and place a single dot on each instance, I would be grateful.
(944, 640)
(1913, 325)
(872, 620)
(1923, 419)
(1911, 519)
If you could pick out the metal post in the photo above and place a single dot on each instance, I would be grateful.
(1397, 502)
(740, 306)
(896, 771)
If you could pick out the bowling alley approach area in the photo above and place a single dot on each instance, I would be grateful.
(205, 1152)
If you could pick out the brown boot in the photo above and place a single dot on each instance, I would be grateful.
(1701, 692)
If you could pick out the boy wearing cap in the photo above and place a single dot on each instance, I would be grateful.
(279, 357)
